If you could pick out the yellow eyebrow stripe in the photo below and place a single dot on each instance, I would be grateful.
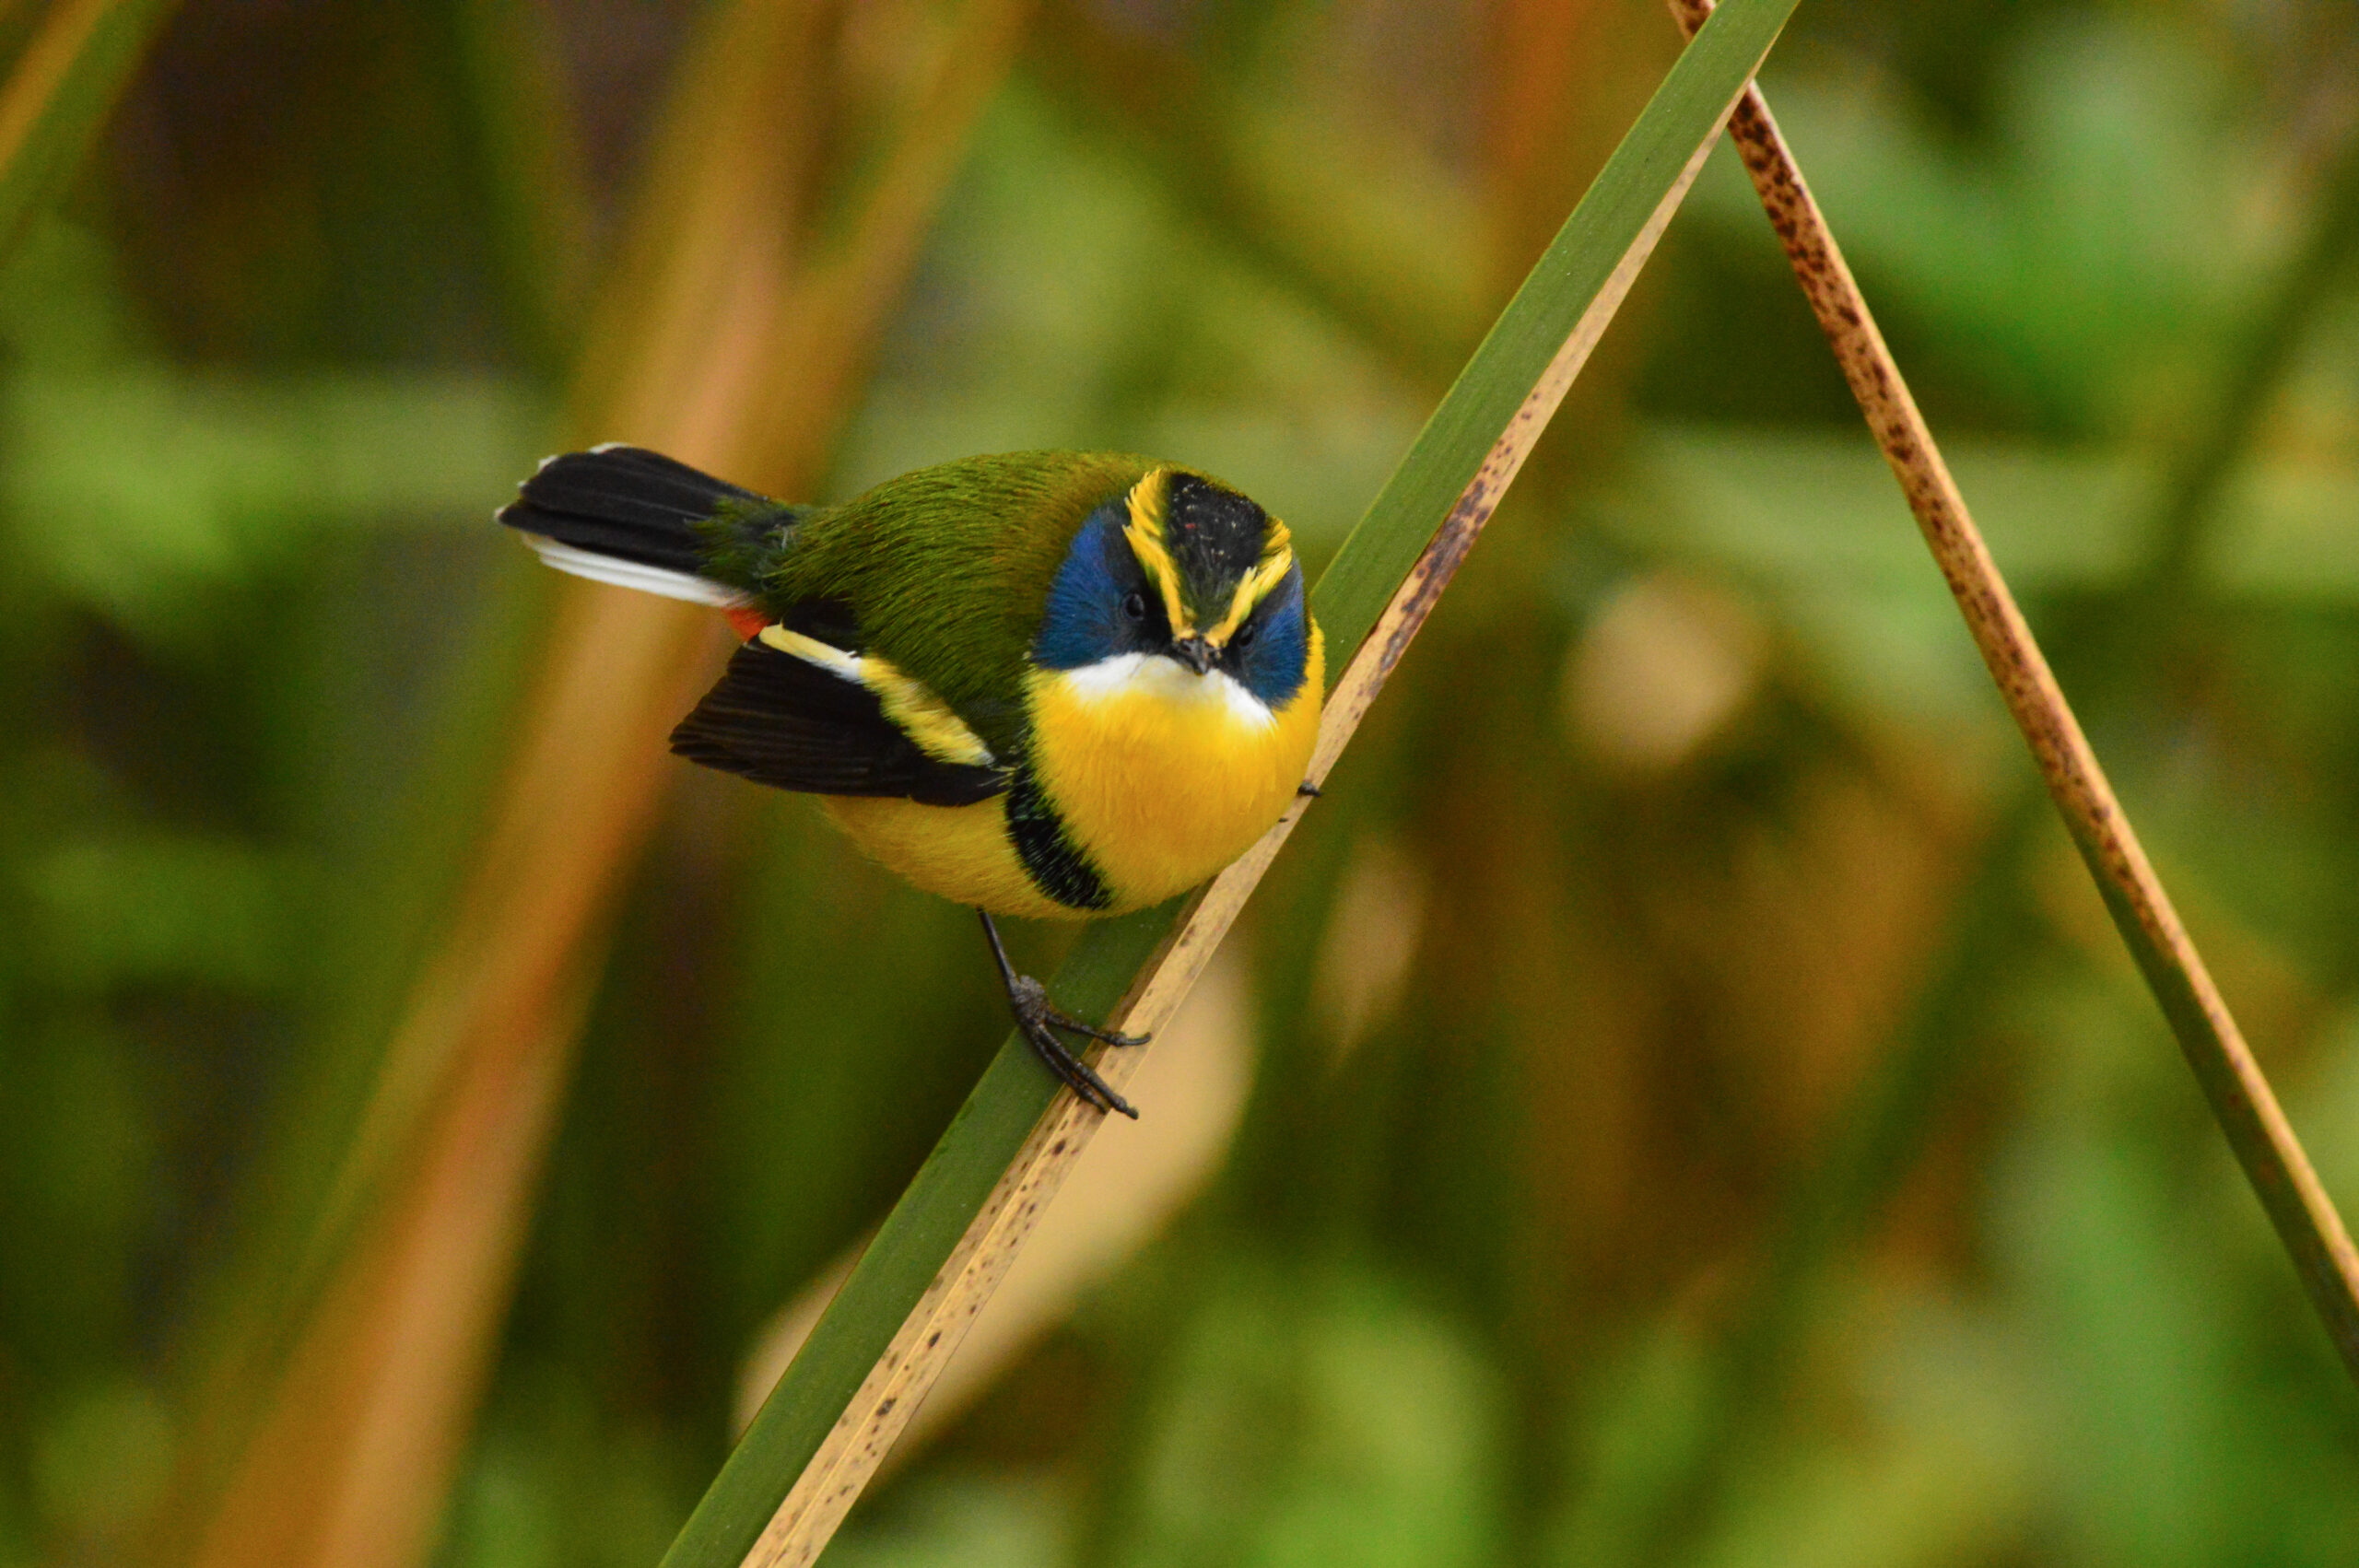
(1145, 532)
(1277, 556)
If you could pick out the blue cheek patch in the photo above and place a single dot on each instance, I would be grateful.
(1273, 667)
(1084, 621)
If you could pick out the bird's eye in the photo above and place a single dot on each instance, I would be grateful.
(1243, 636)
(1134, 605)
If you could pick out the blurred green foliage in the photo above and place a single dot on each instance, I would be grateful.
(1764, 1155)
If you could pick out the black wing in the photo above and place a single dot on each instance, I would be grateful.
(783, 721)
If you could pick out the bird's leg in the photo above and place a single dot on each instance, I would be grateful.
(1038, 1020)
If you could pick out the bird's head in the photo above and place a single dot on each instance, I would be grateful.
(1183, 569)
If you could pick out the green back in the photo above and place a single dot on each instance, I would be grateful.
(948, 569)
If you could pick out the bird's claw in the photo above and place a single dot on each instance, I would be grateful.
(1038, 1020)
(1308, 791)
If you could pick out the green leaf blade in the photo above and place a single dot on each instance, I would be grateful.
(986, 1136)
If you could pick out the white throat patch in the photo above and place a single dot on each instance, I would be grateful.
(1167, 680)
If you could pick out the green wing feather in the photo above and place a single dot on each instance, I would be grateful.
(948, 570)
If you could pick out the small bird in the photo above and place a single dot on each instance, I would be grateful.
(1042, 684)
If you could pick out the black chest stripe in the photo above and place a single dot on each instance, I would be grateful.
(1056, 866)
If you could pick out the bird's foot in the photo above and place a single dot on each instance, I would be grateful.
(1038, 1020)
(1309, 790)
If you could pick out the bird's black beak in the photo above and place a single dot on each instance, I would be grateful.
(1194, 653)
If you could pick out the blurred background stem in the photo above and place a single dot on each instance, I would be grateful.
(347, 1461)
(60, 88)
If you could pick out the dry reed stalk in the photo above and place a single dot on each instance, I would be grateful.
(2231, 1079)
(733, 343)
(807, 1518)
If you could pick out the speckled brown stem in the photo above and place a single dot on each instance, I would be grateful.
(2240, 1096)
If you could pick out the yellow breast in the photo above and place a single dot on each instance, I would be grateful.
(1162, 777)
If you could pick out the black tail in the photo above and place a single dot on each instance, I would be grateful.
(630, 504)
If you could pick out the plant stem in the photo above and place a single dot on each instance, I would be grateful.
(2232, 1081)
(935, 1262)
